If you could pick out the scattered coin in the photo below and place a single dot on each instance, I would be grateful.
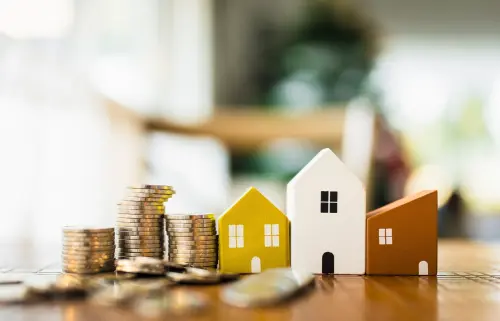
(141, 265)
(267, 288)
(173, 303)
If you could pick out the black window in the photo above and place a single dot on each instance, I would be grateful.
(329, 201)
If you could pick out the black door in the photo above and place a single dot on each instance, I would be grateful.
(328, 263)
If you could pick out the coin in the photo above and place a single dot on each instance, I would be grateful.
(147, 232)
(140, 205)
(140, 242)
(151, 192)
(140, 213)
(189, 216)
(88, 270)
(200, 243)
(141, 250)
(267, 288)
(130, 255)
(188, 278)
(195, 225)
(196, 251)
(135, 226)
(128, 237)
(89, 244)
(192, 257)
(194, 260)
(147, 199)
(182, 237)
(87, 248)
(152, 187)
(88, 238)
(141, 220)
(143, 265)
(87, 229)
(191, 230)
(171, 303)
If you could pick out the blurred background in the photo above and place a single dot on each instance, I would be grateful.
(213, 96)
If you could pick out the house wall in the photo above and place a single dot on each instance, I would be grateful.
(414, 238)
(253, 211)
(314, 233)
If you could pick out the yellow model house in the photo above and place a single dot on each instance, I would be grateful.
(253, 235)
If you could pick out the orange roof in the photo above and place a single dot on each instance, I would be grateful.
(398, 203)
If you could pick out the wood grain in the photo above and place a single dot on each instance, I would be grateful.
(466, 288)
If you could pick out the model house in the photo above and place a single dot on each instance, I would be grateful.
(327, 212)
(401, 238)
(253, 235)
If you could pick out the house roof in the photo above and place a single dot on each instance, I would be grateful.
(398, 203)
(324, 155)
(252, 192)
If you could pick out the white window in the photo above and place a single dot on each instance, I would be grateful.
(271, 235)
(385, 236)
(236, 236)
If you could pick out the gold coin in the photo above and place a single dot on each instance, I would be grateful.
(86, 229)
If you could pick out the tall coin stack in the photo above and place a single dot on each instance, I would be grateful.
(140, 221)
(88, 250)
(192, 239)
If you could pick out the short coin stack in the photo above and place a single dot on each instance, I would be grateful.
(140, 221)
(192, 239)
(88, 250)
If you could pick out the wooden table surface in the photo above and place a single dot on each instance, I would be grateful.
(467, 288)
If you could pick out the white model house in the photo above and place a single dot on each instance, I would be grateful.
(326, 206)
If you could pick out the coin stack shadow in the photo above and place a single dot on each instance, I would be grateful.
(140, 222)
(192, 239)
(88, 250)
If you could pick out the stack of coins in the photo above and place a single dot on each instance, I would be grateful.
(88, 250)
(140, 221)
(192, 239)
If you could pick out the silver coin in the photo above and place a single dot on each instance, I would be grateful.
(180, 238)
(191, 230)
(189, 216)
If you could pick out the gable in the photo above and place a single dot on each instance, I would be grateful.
(326, 171)
(406, 202)
(254, 200)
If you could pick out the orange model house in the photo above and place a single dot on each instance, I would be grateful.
(401, 237)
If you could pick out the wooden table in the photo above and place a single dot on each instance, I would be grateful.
(467, 288)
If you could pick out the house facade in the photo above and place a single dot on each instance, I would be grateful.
(326, 205)
(401, 237)
(253, 235)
